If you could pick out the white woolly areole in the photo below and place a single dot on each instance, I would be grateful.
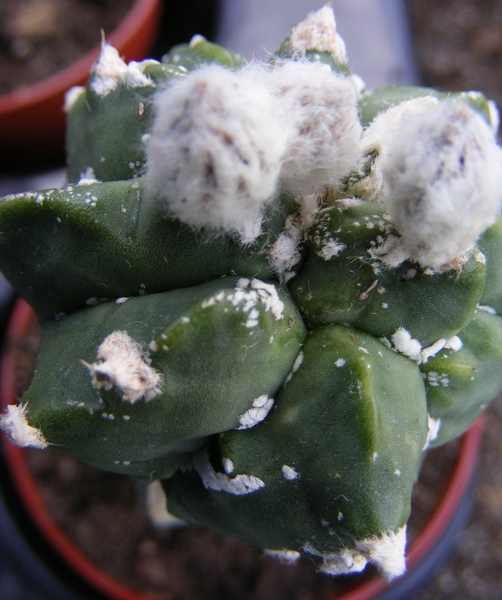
(285, 253)
(318, 32)
(20, 432)
(285, 556)
(71, 96)
(433, 427)
(337, 563)
(289, 473)
(125, 366)
(404, 343)
(239, 485)
(454, 343)
(215, 149)
(443, 173)
(319, 113)
(111, 71)
(386, 552)
(259, 410)
(251, 291)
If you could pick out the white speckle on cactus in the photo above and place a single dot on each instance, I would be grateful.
(435, 379)
(404, 343)
(337, 563)
(125, 366)
(433, 427)
(296, 365)
(215, 149)
(20, 432)
(432, 350)
(284, 253)
(126, 417)
(259, 410)
(196, 39)
(111, 71)
(253, 318)
(239, 485)
(71, 96)
(253, 290)
(88, 177)
(122, 300)
(156, 507)
(340, 362)
(317, 32)
(285, 556)
(489, 309)
(454, 343)
(289, 473)
(228, 465)
(330, 248)
(443, 174)
(319, 113)
(386, 552)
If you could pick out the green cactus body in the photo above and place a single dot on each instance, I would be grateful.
(63, 248)
(198, 52)
(461, 382)
(490, 244)
(379, 100)
(214, 216)
(374, 297)
(342, 444)
(105, 132)
(216, 348)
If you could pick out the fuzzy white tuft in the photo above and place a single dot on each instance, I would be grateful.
(111, 71)
(433, 427)
(386, 552)
(319, 111)
(284, 556)
(125, 366)
(240, 485)
(443, 174)
(156, 507)
(285, 253)
(406, 344)
(215, 150)
(337, 563)
(318, 32)
(71, 96)
(259, 410)
(20, 432)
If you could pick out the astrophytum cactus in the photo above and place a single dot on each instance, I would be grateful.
(266, 286)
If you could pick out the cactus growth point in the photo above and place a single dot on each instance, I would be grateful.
(265, 286)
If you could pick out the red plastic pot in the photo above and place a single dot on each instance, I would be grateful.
(32, 120)
(426, 547)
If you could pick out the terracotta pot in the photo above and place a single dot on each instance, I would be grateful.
(32, 120)
(424, 554)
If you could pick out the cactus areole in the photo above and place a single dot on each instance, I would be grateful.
(266, 286)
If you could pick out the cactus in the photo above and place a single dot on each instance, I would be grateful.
(265, 286)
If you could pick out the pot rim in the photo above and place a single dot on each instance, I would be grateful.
(21, 318)
(122, 37)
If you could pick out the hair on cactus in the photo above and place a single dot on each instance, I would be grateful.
(125, 366)
(318, 32)
(320, 108)
(111, 71)
(442, 171)
(18, 429)
(215, 150)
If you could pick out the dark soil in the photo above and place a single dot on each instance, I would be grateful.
(102, 513)
(40, 37)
